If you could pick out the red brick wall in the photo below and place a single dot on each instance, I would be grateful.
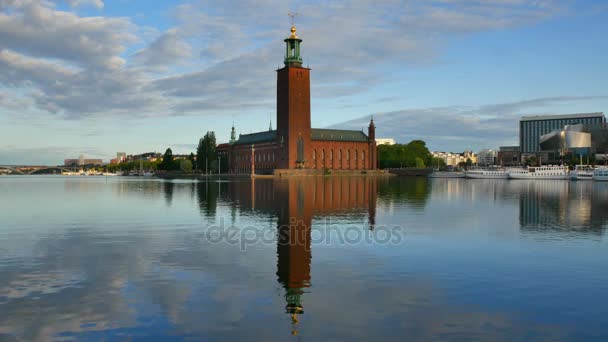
(293, 113)
(354, 155)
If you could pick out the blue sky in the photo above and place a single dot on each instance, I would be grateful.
(96, 77)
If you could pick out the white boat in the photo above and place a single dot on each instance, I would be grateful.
(601, 174)
(582, 173)
(540, 172)
(447, 174)
(487, 174)
(148, 174)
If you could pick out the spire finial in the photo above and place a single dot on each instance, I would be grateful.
(293, 16)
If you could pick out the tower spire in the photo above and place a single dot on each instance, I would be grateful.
(292, 45)
(233, 134)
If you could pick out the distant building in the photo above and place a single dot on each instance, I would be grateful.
(121, 156)
(487, 157)
(579, 140)
(531, 128)
(453, 159)
(71, 162)
(385, 141)
(81, 161)
(508, 156)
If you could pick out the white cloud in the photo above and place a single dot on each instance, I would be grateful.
(225, 52)
(165, 50)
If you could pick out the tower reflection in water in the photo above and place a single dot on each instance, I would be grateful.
(296, 202)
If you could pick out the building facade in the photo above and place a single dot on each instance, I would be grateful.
(295, 144)
(487, 157)
(385, 141)
(454, 159)
(508, 156)
(531, 128)
(82, 161)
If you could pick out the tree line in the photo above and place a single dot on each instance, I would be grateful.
(204, 161)
(413, 154)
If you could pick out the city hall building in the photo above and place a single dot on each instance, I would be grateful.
(294, 144)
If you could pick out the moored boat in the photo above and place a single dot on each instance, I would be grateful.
(487, 174)
(582, 173)
(540, 172)
(601, 174)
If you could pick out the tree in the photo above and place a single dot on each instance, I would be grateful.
(438, 163)
(206, 152)
(167, 163)
(192, 158)
(413, 154)
(185, 165)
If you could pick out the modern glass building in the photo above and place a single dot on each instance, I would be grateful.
(531, 128)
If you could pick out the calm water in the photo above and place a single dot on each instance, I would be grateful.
(302, 259)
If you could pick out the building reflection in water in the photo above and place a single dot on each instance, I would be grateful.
(295, 202)
(560, 206)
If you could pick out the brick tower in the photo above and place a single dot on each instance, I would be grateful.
(293, 108)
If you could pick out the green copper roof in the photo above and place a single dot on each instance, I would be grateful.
(337, 135)
(316, 134)
(255, 138)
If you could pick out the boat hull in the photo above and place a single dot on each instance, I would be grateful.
(486, 176)
(527, 176)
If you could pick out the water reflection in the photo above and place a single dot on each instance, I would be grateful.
(294, 203)
(88, 259)
(168, 188)
(569, 207)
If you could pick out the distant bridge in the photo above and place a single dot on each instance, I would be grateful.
(31, 170)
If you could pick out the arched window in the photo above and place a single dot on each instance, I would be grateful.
(363, 155)
(340, 154)
(347, 154)
(355, 155)
(323, 154)
(314, 154)
(331, 154)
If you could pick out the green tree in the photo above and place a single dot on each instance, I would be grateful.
(167, 163)
(185, 165)
(413, 154)
(438, 163)
(206, 152)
